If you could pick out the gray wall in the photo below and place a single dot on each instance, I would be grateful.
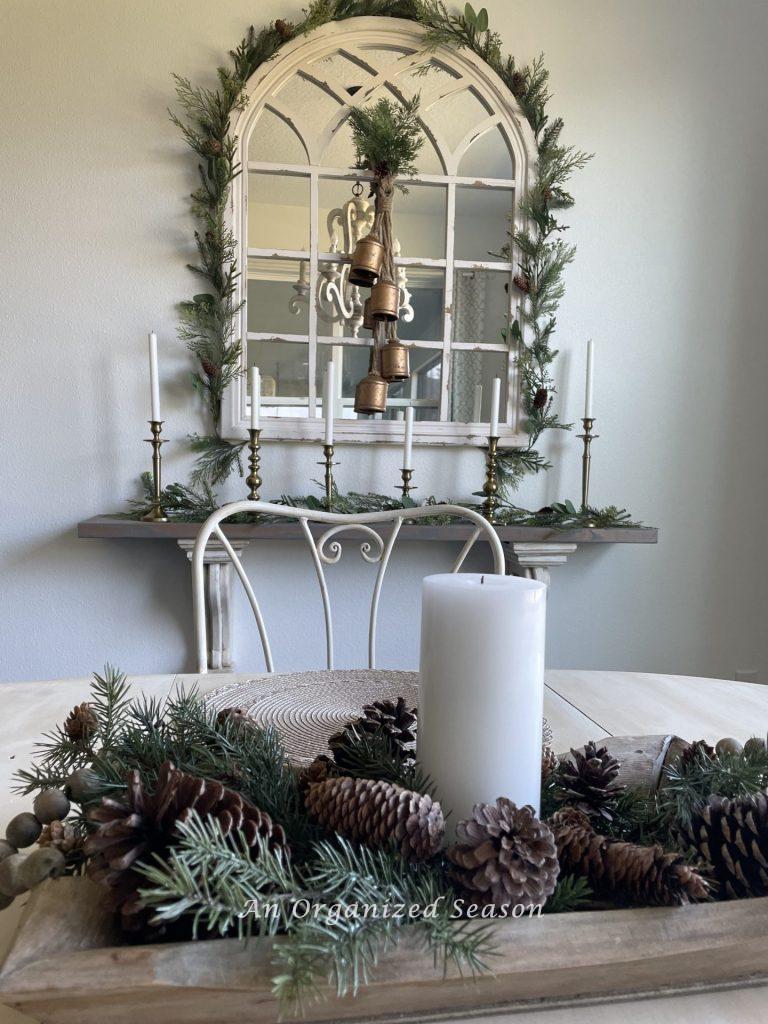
(671, 226)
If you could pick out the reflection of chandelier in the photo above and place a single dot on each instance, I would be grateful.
(338, 302)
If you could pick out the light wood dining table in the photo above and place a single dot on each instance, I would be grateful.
(579, 705)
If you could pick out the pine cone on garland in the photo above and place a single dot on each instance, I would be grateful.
(622, 871)
(210, 368)
(213, 146)
(376, 812)
(134, 828)
(588, 780)
(540, 398)
(383, 717)
(694, 753)
(522, 282)
(732, 836)
(284, 29)
(81, 723)
(504, 855)
(518, 85)
(319, 770)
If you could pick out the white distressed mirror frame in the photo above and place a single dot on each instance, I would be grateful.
(299, 55)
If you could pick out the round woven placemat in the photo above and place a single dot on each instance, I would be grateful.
(308, 707)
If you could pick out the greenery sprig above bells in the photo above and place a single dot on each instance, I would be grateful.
(208, 319)
(187, 817)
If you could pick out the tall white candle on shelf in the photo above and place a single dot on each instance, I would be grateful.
(328, 401)
(590, 373)
(255, 383)
(477, 406)
(482, 689)
(408, 440)
(154, 379)
(495, 400)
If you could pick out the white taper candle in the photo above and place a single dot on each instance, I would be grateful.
(328, 385)
(477, 407)
(255, 382)
(495, 400)
(590, 375)
(408, 440)
(481, 689)
(154, 380)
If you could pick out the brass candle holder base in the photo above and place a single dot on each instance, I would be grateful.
(586, 459)
(328, 465)
(405, 486)
(156, 514)
(253, 480)
(490, 487)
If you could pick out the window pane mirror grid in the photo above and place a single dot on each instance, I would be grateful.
(300, 161)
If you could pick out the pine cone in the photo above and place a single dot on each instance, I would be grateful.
(505, 855)
(518, 85)
(376, 812)
(284, 29)
(732, 836)
(588, 780)
(210, 368)
(549, 763)
(140, 825)
(322, 768)
(698, 750)
(522, 282)
(81, 724)
(239, 716)
(540, 398)
(213, 146)
(61, 835)
(621, 871)
(395, 721)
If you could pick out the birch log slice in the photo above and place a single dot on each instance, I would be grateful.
(642, 759)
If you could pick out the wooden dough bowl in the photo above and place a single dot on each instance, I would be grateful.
(64, 964)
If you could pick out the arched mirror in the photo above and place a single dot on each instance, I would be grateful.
(299, 208)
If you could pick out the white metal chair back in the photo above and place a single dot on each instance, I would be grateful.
(325, 549)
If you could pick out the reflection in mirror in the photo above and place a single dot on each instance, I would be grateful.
(481, 307)
(275, 141)
(422, 320)
(488, 156)
(419, 219)
(472, 375)
(277, 296)
(422, 391)
(456, 114)
(284, 376)
(482, 222)
(278, 207)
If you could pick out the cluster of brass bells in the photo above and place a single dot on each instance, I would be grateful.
(389, 362)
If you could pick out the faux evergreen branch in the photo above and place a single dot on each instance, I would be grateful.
(216, 459)
(366, 755)
(689, 783)
(572, 893)
(180, 502)
(387, 137)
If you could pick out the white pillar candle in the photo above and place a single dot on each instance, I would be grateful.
(255, 382)
(590, 373)
(482, 689)
(154, 379)
(495, 399)
(408, 440)
(328, 402)
(477, 407)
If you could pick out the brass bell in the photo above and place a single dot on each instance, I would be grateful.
(366, 262)
(368, 322)
(395, 364)
(371, 393)
(385, 301)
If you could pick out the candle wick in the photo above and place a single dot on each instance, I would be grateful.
(482, 579)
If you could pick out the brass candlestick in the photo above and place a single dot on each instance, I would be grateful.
(328, 463)
(491, 487)
(405, 487)
(156, 513)
(253, 479)
(587, 437)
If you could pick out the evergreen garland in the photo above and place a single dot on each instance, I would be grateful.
(208, 319)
